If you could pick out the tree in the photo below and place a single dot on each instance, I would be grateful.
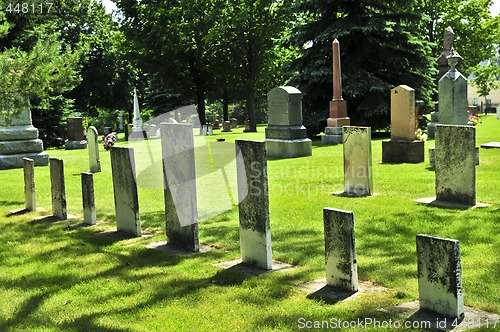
(381, 47)
(486, 78)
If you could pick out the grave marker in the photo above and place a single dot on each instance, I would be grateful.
(93, 147)
(357, 161)
(29, 184)
(88, 200)
(76, 139)
(58, 189)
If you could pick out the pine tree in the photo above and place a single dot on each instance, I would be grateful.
(380, 48)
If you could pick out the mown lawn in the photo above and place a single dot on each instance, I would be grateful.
(88, 279)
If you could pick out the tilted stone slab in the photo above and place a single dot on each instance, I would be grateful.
(455, 160)
(93, 148)
(58, 188)
(88, 199)
(125, 190)
(340, 249)
(440, 276)
(358, 179)
(179, 177)
(29, 184)
(253, 197)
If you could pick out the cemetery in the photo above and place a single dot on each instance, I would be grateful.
(192, 208)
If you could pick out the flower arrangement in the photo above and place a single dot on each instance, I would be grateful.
(474, 119)
(109, 140)
(421, 135)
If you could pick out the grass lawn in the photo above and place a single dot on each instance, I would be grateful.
(57, 279)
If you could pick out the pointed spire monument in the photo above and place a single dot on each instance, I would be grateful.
(137, 128)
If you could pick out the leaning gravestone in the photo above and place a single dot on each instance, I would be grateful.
(93, 147)
(358, 179)
(456, 164)
(179, 179)
(125, 190)
(340, 246)
(255, 229)
(29, 184)
(286, 137)
(402, 148)
(440, 276)
(19, 139)
(58, 188)
(88, 200)
(76, 139)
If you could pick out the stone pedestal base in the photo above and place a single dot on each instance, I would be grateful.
(402, 151)
(16, 160)
(137, 135)
(432, 156)
(332, 136)
(281, 148)
(75, 145)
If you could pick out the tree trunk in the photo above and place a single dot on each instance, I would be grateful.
(225, 105)
(200, 100)
(251, 109)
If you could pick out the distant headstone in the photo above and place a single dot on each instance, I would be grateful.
(58, 188)
(402, 148)
(137, 131)
(286, 137)
(93, 147)
(440, 276)
(498, 112)
(357, 161)
(18, 140)
(125, 190)
(226, 126)
(255, 229)
(88, 200)
(76, 139)
(431, 126)
(247, 125)
(340, 246)
(152, 130)
(179, 180)
(216, 121)
(234, 123)
(455, 164)
(29, 184)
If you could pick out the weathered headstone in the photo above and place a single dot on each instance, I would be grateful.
(93, 147)
(247, 126)
(338, 108)
(88, 200)
(226, 126)
(286, 137)
(152, 129)
(498, 112)
(58, 188)
(340, 249)
(234, 123)
(179, 179)
(440, 276)
(76, 139)
(125, 190)
(455, 164)
(255, 229)
(402, 148)
(216, 121)
(357, 161)
(29, 184)
(431, 127)
(19, 139)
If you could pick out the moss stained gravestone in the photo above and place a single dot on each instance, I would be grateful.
(358, 179)
(440, 276)
(340, 249)
(179, 179)
(76, 138)
(88, 200)
(93, 147)
(29, 184)
(253, 197)
(58, 189)
(125, 190)
(286, 137)
(455, 164)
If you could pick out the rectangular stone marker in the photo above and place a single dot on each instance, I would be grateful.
(253, 198)
(89, 214)
(498, 112)
(29, 184)
(455, 164)
(75, 129)
(179, 178)
(403, 113)
(93, 147)
(357, 161)
(58, 188)
(340, 249)
(125, 190)
(440, 276)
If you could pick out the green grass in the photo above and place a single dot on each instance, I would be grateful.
(55, 279)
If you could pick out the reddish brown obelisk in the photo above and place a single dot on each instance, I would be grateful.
(338, 109)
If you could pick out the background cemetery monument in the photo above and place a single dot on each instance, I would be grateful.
(286, 137)
(75, 135)
(402, 147)
(138, 131)
(18, 140)
(338, 108)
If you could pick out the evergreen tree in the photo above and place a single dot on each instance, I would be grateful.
(380, 48)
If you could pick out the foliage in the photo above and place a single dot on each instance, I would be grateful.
(380, 46)
(486, 78)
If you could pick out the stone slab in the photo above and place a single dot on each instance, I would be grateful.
(29, 184)
(491, 145)
(431, 201)
(282, 132)
(58, 189)
(284, 106)
(403, 113)
(88, 199)
(125, 190)
(452, 95)
(318, 289)
(331, 139)
(93, 148)
(279, 148)
(18, 133)
(75, 129)
(338, 122)
(358, 178)
(75, 145)
(455, 164)
(431, 130)
(402, 151)
(238, 265)
(16, 160)
(432, 156)
(338, 109)
(19, 147)
(333, 131)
